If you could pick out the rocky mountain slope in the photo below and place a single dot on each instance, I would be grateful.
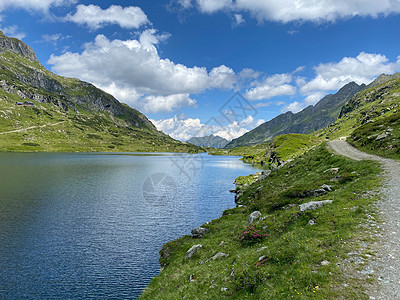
(209, 141)
(371, 119)
(307, 121)
(67, 114)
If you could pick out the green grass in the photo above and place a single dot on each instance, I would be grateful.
(285, 147)
(83, 132)
(366, 137)
(374, 104)
(293, 250)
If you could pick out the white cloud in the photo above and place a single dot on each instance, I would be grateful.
(34, 5)
(361, 69)
(167, 103)
(13, 31)
(294, 107)
(300, 10)
(330, 77)
(132, 69)
(272, 86)
(211, 6)
(239, 20)
(185, 3)
(95, 17)
(51, 38)
(182, 128)
(267, 104)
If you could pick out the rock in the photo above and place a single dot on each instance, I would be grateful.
(336, 178)
(199, 232)
(382, 136)
(219, 255)
(333, 170)
(263, 260)
(325, 263)
(314, 205)
(327, 188)
(317, 193)
(253, 216)
(192, 251)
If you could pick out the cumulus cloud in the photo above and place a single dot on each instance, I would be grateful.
(34, 5)
(239, 20)
(272, 86)
(182, 128)
(300, 10)
(361, 69)
(211, 6)
(332, 76)
(95, 17)
(133, 71)
(167, 103)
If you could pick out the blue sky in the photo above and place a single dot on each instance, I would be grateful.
(180, 61)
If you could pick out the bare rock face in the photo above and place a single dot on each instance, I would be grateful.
(199, 232)
(192, 251)
(254, 216)
(314, 205)
(16, 46)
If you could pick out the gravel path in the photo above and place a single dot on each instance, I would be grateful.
(387, 263)
(32, 127)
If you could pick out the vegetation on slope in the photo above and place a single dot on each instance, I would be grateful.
(381, 137)
(306, 121)
(68, 114)
(368, 106)
(280, 150)
(47, 128)
(288, 257)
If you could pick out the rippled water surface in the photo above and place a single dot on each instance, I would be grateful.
(91, 225)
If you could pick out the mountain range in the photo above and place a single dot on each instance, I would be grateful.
(209, 141)
(310, 119)
(67, 114)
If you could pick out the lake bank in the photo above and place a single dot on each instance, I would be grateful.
(285, 252)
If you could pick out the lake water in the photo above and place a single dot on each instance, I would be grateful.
(91, 225)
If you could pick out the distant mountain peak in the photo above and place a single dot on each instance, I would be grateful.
(214, 141)
(310, 119)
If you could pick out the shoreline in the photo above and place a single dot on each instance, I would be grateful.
(223, 248)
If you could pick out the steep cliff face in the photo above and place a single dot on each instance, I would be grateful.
(16, 46)
(312, 118)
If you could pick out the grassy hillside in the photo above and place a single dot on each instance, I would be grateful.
(381, 137)
(280, 256)
(367, 107)
(283, 148)
(68, 114)
(52, 129)
(306, 121)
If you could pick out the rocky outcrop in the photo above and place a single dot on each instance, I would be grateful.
(16, 46)
(313, 205)
(199, 232)
(192, 251)
(254, 216)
